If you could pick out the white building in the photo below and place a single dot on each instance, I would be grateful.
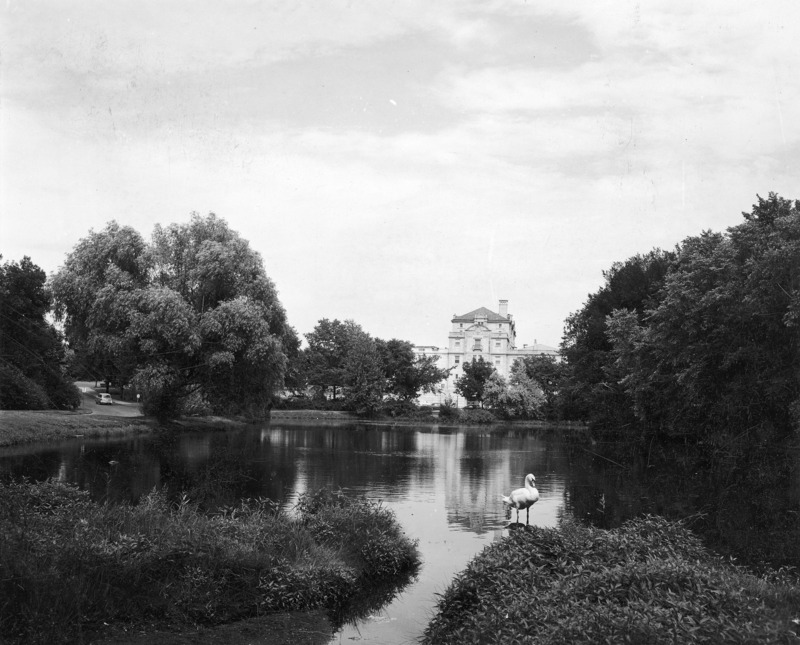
(481, 332)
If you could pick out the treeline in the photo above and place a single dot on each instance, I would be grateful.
(191, 320)
(699, 342)
(343, 367)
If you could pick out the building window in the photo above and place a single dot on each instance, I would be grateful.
(497, 343)
(458, 343)
(458, 360)
(497, 361)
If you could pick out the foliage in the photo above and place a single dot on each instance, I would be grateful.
(400, 408)
(476, 417)
(471, 383)
(649, 581)
(18, 392)
(323, 360)
(342, 359)
(406, 374)
(191, 313)
(71, 567)
(32, 356)
(520, 398)
(700, 343)
(449, 410)
(720, 353)
(364, 378)
(549, 375)
(589, 392)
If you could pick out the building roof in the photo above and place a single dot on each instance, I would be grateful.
(482, 311)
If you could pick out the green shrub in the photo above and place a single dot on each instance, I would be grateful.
(71, 566)
(650, 581)
(18, 392)
(477, 417)
(398, 408)
(447, 412)
(366, 536)
(64, 395)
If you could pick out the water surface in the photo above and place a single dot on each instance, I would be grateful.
(443, 484)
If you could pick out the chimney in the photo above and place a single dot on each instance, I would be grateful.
(503, 308)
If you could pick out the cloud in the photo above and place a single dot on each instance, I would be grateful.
(529, 145)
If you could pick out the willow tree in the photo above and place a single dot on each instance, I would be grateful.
(189, 317)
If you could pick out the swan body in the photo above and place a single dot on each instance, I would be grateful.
(523, 497)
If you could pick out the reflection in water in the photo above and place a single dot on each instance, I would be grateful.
(444, 485)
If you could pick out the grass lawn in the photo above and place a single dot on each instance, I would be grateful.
(26, 426)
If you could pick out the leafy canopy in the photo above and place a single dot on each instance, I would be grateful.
(191, 316)
(32, 355)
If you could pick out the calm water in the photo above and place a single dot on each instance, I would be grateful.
(444, 485)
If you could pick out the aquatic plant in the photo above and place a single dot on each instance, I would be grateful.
(650, 581)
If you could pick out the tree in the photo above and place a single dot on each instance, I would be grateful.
(520, 397)
(364, 378)
(719, 355)
(407, 374)
(31, 350)
(470, 385)
(191, 315)
(325, 356)
(548, 374)
(588, 390)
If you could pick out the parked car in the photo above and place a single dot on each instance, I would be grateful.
(104, 399)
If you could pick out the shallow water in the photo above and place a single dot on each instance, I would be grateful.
(443, 484)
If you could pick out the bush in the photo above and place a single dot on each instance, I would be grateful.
(477, 417)
(398, 408)
(449, 412)
(71, 566)
(18, 392)
(650, 581)
(64, 395)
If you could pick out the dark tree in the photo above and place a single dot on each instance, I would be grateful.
(590, 390)
(548, 374)
(471, 383)
(407, 375)
(325, 356)
(718, 356)
(32, 355)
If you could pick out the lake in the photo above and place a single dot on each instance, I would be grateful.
(443, 484)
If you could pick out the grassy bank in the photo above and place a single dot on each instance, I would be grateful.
(27, 426)
(72, 569)
(650, 581)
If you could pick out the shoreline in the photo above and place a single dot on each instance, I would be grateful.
(20, 427)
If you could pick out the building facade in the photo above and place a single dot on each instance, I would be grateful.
(480, 332)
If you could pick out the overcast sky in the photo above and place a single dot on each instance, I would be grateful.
(400, 162)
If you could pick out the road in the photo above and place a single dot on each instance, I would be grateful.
(119, 409)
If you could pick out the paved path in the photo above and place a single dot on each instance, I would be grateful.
(119, 409)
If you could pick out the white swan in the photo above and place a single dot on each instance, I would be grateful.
(523, 497)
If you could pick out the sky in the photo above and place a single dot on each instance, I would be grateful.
(399, 162)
